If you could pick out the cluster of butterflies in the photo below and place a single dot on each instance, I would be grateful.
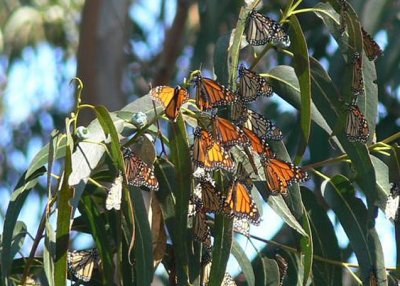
(247, 130)
(356, 128)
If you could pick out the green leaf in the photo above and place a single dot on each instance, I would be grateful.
(306, 246)
(180, 157)
(49, 251)
(326, 96)
(368, 102)
(63, 219)
(244, 262)
(278, 204)
(143, 241)
(100, 232)
(109, 129)
(302, 70)
(285, 83)
(269, 276)
(295, 271)
(41, 158)
(17, 200)
(88, 153)
(19, 235)
(221, 248)
(325, 243)
(352, 214)
(382, 181)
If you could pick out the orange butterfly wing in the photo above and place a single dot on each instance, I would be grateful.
(229, 134)
(210, 155)
(137, 171)
(280, 175)
(210, 94)
(258, 145)
(357, 129)
(240, 204)
(371, 48)
(171, 99)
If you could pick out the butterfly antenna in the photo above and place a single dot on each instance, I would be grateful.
(159, 133)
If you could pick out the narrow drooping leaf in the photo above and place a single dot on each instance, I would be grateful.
(325, 242)
(244, 263)
(307, 248)
(302, 70)
(180, 157)
(17, 200)
(352, 214)
(63, 219)
(143, 242)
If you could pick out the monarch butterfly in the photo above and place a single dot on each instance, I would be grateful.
(137, 171)
(239, 202)
(281, 174)
(283, 267)
(371, 48)
(229, 134)
(252, 85)
(210, 94)
(201, 230)
(356, 127)
(209, 154)
(212, 199)
(357, 85)
(170, 98)
(262, 127)
(259, 146)
(261, 30)
(81, 263)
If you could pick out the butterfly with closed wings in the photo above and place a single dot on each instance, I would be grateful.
(261, 30)
(137, 171)
(171, 99)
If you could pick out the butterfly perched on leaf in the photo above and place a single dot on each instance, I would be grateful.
(371, 48)
(137, 171)
(82, 263)
(170, 98)
(279, 174)
(357, 84)
(239, 202)
(200, 228)
(209, 154)
(261, 30)
(210, 94)
(265, 129)
(212, 199)
(252, 85)
(356, 127)
(228, 134)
